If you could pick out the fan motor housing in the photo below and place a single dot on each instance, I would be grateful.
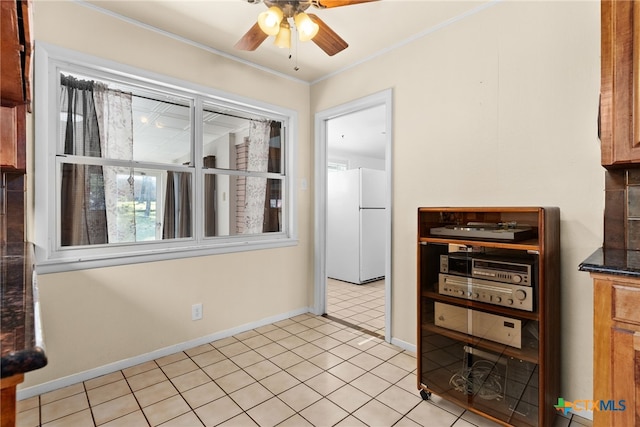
(289, 7)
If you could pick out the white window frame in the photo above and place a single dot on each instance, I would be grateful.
(49, 62)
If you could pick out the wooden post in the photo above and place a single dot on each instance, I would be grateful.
(8, 399)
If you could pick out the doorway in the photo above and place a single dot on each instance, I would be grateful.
(364, 302)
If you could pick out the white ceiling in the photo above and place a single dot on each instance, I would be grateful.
(362, 133)
(369, 28)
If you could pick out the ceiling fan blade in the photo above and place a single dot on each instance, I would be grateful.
(252, 39)
(327, 39)
(325, 4)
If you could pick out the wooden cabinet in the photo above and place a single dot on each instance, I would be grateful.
(488, 311)
(620, 83)
(616, 365)
(15, 86)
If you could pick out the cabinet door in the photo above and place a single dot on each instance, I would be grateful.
(620, 83)
(476, 348)
(15, 30)
(13, 138)
(625, 366)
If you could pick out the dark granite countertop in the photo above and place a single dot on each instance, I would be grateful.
(613, 261)
(21, 345)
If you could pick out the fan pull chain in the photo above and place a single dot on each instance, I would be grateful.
(295, 68)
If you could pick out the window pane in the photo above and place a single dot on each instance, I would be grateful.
(79, 127)
(177, 220)
(83, 216)
(109, 204)
(161, 131)
(240, 142)
(101, 119)
(144, 206)
(236, 205)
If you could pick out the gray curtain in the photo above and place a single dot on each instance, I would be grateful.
(83, 212)
(209, 197)
(177, 206)
(273, 214)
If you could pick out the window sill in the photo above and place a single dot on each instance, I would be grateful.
(44, 266)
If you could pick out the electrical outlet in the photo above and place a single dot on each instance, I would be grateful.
(196, 311)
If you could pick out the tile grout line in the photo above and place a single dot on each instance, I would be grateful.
(323, 370)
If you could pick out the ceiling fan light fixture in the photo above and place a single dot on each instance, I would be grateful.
(269, 20)
(307, 29)
(283, 39)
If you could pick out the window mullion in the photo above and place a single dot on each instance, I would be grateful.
(197, 147)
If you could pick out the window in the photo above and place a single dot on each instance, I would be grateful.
(337, 165)
(138, 168)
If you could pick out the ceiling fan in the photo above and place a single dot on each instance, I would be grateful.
(275, 22)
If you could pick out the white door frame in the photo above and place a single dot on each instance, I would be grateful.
(320, 197)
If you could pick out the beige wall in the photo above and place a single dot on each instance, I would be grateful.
(497, 109)
(95, 317)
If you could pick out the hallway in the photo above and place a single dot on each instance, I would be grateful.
(360, 305)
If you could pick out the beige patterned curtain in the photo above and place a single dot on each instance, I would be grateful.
(256, 187)
(115, 122)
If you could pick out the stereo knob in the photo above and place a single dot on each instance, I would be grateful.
(516, 278)
(509, 301)
(498, 299)
(476, 295)
(520, 295)
(461, 292)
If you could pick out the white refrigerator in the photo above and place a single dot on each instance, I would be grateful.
(356, 225)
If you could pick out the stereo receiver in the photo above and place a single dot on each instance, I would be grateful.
(496, 293)
(506, 270)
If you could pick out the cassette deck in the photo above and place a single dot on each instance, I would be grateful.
(499, 269)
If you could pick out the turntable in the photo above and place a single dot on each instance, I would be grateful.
(507, 231)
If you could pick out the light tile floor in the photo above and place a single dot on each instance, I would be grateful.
(303, 371)
(360, 305)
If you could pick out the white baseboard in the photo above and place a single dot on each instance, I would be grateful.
(403, 345)
(36, 390)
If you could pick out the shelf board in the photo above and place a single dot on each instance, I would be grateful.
(528, 245)
(485, 209)
(526, 354)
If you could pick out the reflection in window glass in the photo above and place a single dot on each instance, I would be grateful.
(161, 131)
(83, 206)
(100, 119)
(241, 205)
(231, 135)
(248, 202)
(177, 221)
(141, 206)
(117, 205)
(110, 203)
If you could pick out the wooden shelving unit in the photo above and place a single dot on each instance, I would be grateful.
(510, 382)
